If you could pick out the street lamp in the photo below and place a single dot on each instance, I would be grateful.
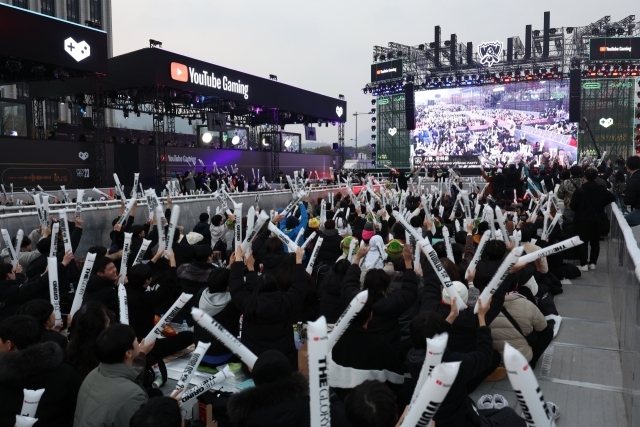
(359, 114)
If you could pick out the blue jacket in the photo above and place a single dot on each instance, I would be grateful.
(293, 233)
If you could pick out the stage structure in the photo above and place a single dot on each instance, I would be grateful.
(167, 85)
(604, 49)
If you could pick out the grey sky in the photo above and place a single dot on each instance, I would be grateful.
(326, 46)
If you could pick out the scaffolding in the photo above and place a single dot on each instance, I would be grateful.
(99, 131)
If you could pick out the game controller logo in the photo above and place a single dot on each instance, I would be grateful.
(490, 53)
(78, 51)
(83, 155)
(393, 131)
(339, 111)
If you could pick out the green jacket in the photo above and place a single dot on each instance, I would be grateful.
(109, 396)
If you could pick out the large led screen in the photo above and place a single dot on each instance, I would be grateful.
(503, 123)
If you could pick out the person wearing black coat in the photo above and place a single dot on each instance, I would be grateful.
(331, 249)
(330, 290)
(193, 277)
(512, 180)
(631, 192)
(27, 364)
(203, 228)
(389, 306)
(140, 233)
(280, 397)
(589, 203)
(215, 300)
(102, 285)
(267, 310)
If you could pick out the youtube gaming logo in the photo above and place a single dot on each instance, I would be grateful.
(179, 72)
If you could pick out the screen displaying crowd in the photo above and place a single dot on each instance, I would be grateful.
(503, 123)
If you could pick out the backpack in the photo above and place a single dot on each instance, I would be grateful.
(319, 272)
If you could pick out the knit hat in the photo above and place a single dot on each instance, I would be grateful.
(368, 226)
(194, 238)
(394, 248)
(292, 222)
(345, 244)
(271, 366)
(462, 291)
(314, 223)
(229, 224)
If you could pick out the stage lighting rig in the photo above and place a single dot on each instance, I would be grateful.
(273, 77)
(155, 43)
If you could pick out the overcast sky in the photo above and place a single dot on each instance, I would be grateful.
(326, 46)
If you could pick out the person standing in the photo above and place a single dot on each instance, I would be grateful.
(631, 195)
(588, 203)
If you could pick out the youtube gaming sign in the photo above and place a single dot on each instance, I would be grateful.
(614, 48)
(31, 36)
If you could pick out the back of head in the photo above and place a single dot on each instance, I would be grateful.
(100, 251)
(591, 174)
(451, 269)
(39, 309)
(44, 245)
(218, 280)
(216, 220)
(483, 226)
(22, 331)
(202, 253)
(633, 163)
(415, 221)
(329, 224)
(441, 249)
(525, 234)
(204, 217)
(371, 404)
(136, 230)
(461, 237)
(427, 324)
(5, 269)
(377, 282)
(341, 267)
(494, 250)
(271, 366)
(138, 275)
(113, 343)
(26, 243)
(158, 412)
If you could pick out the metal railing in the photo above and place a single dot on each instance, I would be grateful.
(623, 268)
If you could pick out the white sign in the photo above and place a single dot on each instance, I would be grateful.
(339, 111)
(393, 131)
(489, 53)
(181, 159)
(605, 123)
(205, 78)
(78, 51)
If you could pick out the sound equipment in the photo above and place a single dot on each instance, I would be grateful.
(410, 106)
(575, 90)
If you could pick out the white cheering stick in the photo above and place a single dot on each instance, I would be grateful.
(535, 188)
(126, 248)
(127, 211)
(237, 212)
(501, 223)
(54, 289)
(123, 304)
(435, 350)
(4, 193)
(318, 373)
(262, 218)
(299, 236)
(207, 384)
(437, 266)
(173, 222)
(12, 252)
(346, 318)
(136, 178)
(119, 187)
(142, 251)
(314, 255)
(173, 310)
(500, 275)
(19, 238)
(53, 247)
(162, 244)
(82, 286)
(550, 250)
(309, 239)
(191, 367)
(447, 243)
(352, 249)
(476, 256)
(66, 236)
(534, 408)
(105, 195)
(283, 237)
(430, 397)
(64, 194)
(217, 331)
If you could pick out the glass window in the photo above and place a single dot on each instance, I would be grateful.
(51, 113)
(48, 7)
(21, 3)
(13, 119)
(95, 10)
(73, 11)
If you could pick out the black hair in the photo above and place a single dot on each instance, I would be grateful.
(39, 309)
(591, 174)
(216, 220)
(377, 282)
(204, 217)
(365, 313)
(284, 277)
(88, 322)
(21, 330)
(44, 245)
(398, 231)
(341, 267)
(136, 230)
(415, 221)
(25, 242)
(112, 343)
(371, 404)
(494, 250)
(101, 265)
(427, 324)
(138, 275)
(265, 283)
(525, 234)
(274, 245)
(461, 237)
(100, 251)
(202, 253)
(5, 270)
(158, 412)
(441, 249)
(482, 227)
(218, 280)
(451, 269)
(329, 224)
(633, 163)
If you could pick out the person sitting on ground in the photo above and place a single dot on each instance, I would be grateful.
(266, 308)
(42, 311)
(109, 396)
(27, 363)
(280, 397)
(371, 404)
(87, 323)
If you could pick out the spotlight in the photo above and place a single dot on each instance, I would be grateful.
(620, 31)
(373, 128)
(447, 42)
(536, 33)
(382, 57)
(264, 142)
(569, 30)
(207, 137)
(373, 102)
(287, 143)
(373, 111)
(595, 32)
(421, 47)
(235, 140)
(273, 77)
(552, 31)
(373, 119)
(155, 43)
(373, 137)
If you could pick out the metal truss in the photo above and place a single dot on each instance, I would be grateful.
(99, 131)
(158, 132)
(276, 142)
(341, 138)
(38, 118)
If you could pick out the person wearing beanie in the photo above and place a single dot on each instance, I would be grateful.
(292, 226)
(314, 223)
(394, 248)
(331, 249)
(280, 397)
(345, 243)
(368, 232)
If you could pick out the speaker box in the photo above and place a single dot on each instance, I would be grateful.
(575, 90)
(410, 106)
